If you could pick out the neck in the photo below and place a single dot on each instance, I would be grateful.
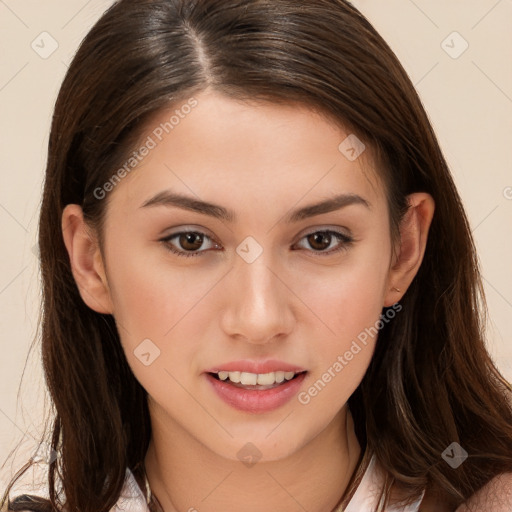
(185, 475)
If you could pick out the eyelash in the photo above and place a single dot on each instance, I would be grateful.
(346, 240)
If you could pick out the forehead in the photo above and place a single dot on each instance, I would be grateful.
(249, 152)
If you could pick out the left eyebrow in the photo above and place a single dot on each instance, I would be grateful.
(172, 199)
(329, 205)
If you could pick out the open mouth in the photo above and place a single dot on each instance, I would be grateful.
(256, 393)
(258, 382)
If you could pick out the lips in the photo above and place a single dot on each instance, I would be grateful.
(255, 398)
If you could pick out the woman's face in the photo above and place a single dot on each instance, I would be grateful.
(255, 286)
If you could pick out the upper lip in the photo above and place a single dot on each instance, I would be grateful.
(267, 366)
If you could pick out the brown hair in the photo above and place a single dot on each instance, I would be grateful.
(431, 381)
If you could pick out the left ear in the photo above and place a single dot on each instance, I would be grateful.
(411, 246)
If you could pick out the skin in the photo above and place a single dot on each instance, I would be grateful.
(292, 303)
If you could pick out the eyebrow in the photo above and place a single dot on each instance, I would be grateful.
(173, 199)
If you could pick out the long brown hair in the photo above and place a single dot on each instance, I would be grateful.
(431, 381)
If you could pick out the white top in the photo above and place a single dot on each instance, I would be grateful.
(132, 499)
(365, 499)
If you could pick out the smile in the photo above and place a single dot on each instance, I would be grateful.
(256, 392)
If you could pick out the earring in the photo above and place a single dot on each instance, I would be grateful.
(396, 289)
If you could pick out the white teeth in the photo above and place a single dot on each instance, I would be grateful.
(234, 376)
(251, 379)
(266, 379)
(248, 379)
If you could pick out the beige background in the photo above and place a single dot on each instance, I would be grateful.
(468, 98)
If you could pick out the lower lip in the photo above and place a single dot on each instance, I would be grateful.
(253, 400)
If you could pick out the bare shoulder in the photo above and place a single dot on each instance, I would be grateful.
(495, 496)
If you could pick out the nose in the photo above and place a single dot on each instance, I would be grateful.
(258, 306)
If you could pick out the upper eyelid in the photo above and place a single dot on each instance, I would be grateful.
(329, 230)
(189, 229)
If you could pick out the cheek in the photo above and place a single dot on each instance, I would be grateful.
(349, 298)
(142, 293)
(348, 302)
(167, 304)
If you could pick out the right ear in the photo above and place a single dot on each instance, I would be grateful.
(86, 260)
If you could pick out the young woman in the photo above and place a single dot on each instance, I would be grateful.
(260, 286)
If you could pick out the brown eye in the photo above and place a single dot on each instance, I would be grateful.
(319, 241)
(190, 241)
